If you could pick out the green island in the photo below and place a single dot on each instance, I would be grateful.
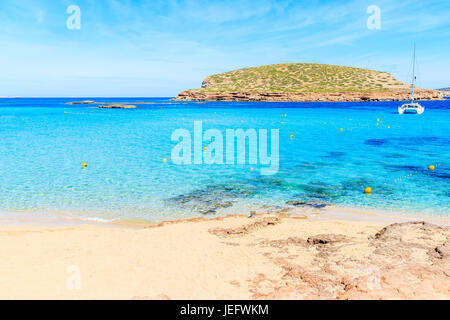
(304, 82)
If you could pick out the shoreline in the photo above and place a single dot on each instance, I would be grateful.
(267, 256)
(231, 96)
(330, 212)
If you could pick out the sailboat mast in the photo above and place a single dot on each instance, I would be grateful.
(414, 73)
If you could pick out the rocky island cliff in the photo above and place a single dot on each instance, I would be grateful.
(445, 92)
(304, 82)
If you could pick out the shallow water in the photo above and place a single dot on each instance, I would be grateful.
(43, 143)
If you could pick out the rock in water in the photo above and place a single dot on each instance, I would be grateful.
(82, 102)
(117, 106)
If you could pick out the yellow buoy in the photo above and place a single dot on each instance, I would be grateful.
(164, 159)
(204, 148)
(431, 168)
(342, 129)
(84, 164)
(292, 136)
(368, 190)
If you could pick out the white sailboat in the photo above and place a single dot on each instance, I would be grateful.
(412, 107)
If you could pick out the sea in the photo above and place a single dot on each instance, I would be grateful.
(329, 153)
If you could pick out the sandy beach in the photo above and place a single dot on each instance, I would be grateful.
(267, 256)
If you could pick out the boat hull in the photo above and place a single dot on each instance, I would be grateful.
(411, 108)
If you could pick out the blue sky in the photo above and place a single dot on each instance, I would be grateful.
(158, 48)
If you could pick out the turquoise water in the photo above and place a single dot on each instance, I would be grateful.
(45, 141)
